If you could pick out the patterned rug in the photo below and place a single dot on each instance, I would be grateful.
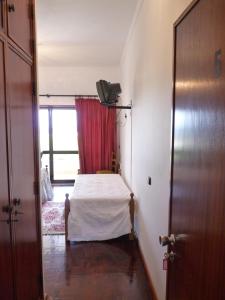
(53, 218)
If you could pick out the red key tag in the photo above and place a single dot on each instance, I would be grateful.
(165, 264)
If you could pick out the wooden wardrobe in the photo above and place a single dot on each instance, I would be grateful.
(20, 233)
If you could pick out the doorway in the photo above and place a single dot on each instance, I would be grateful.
(59, 163)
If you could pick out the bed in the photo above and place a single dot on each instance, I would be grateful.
(101, 207)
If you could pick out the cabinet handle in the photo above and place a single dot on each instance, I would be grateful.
(18, 213)
(8, 221)
(7, 209)
(11, 8)
(16, 201)
(5, 221)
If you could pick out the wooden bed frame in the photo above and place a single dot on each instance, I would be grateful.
(131, 205)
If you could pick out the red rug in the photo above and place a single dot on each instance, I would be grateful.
(53, 218)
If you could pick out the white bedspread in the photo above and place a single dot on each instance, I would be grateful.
(99, 208)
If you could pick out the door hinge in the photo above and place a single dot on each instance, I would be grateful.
(40, 286)
(40, 280)
(32, 45)
(31, 10)
(36, 188)
(34, 88)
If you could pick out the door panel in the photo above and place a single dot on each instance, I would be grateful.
(6, 282)
(1, 15)
(198, 180)
(26, 238)
(19, 23)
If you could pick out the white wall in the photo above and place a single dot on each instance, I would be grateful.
(73, 80)
(147, 79)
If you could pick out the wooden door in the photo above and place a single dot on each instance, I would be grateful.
(198, 166)
(6, 279)
(19, 14)
(27, 244)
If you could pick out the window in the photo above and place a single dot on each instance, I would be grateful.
(58, 142)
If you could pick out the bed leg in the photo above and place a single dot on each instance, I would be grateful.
(131, 235)
(66, 213)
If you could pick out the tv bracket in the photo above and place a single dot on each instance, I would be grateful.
(120, 106)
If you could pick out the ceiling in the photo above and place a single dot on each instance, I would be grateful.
(82, 32)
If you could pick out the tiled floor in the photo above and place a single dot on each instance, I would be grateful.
(110, 270)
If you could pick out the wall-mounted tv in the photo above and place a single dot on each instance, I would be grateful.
(108, 92)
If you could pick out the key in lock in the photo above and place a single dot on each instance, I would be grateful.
(170, 256)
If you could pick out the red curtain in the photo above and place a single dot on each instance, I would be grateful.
(96, 126)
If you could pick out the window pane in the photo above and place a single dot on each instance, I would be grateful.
(44, 129)
(65, 166)
(64, 129)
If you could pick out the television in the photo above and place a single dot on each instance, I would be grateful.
(108, 92)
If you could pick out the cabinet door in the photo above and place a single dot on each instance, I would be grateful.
(1, 15)
(6, 282)
(20, 23)
(27, 236)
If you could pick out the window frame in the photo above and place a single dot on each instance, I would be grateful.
(51, 152)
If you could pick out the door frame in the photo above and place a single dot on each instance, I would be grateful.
(186, 12)
(37, 162)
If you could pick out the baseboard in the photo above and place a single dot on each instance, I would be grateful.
(147, 272)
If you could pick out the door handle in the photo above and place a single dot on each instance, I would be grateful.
(11, 7)
(167, 240)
